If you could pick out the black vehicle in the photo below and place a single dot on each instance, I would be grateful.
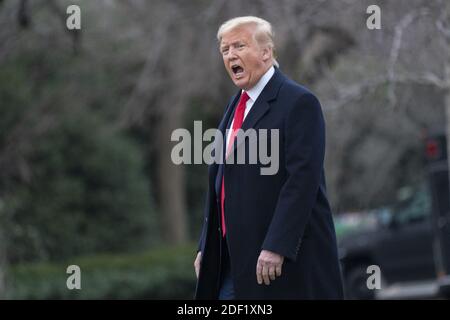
(401, 246)
(411, 242)
(438, 173)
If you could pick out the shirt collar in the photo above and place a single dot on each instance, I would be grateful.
(254, 92)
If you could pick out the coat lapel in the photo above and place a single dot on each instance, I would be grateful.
(215, 169)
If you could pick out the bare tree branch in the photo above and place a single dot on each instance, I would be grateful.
(442, 23)
(23, 14)
(443, 29)
(74, 34)
(396, 45)
(356, 92)
(146, 83)
(213, 9)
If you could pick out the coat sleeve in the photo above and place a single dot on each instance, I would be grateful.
(304, 153)
(205, 223)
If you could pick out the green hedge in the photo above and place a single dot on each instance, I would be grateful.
(164, 273)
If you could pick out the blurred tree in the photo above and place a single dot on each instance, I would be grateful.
(57, 200)
(86, 194)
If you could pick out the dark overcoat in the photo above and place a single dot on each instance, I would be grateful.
(286, 212)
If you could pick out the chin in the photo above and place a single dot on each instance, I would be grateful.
(241, 83)
(238, 84)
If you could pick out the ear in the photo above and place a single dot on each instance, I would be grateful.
(266, 53)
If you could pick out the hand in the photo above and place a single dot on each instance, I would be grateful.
(268, 266)
(197, 263)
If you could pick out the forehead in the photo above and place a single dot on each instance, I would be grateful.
(240, 33)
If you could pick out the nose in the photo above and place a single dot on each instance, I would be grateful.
(231, 56)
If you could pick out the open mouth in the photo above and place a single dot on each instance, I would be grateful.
(237, 70)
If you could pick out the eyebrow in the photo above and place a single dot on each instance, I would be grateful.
(232, 43)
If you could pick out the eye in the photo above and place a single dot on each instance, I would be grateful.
(224, 51)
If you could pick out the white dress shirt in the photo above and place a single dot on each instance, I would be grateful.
(253, 94)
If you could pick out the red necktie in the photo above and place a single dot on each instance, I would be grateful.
(237, 123)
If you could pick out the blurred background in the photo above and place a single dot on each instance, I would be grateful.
(86, 117)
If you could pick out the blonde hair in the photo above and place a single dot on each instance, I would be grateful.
(263, 35)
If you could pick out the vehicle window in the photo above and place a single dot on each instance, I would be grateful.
(415, 206)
